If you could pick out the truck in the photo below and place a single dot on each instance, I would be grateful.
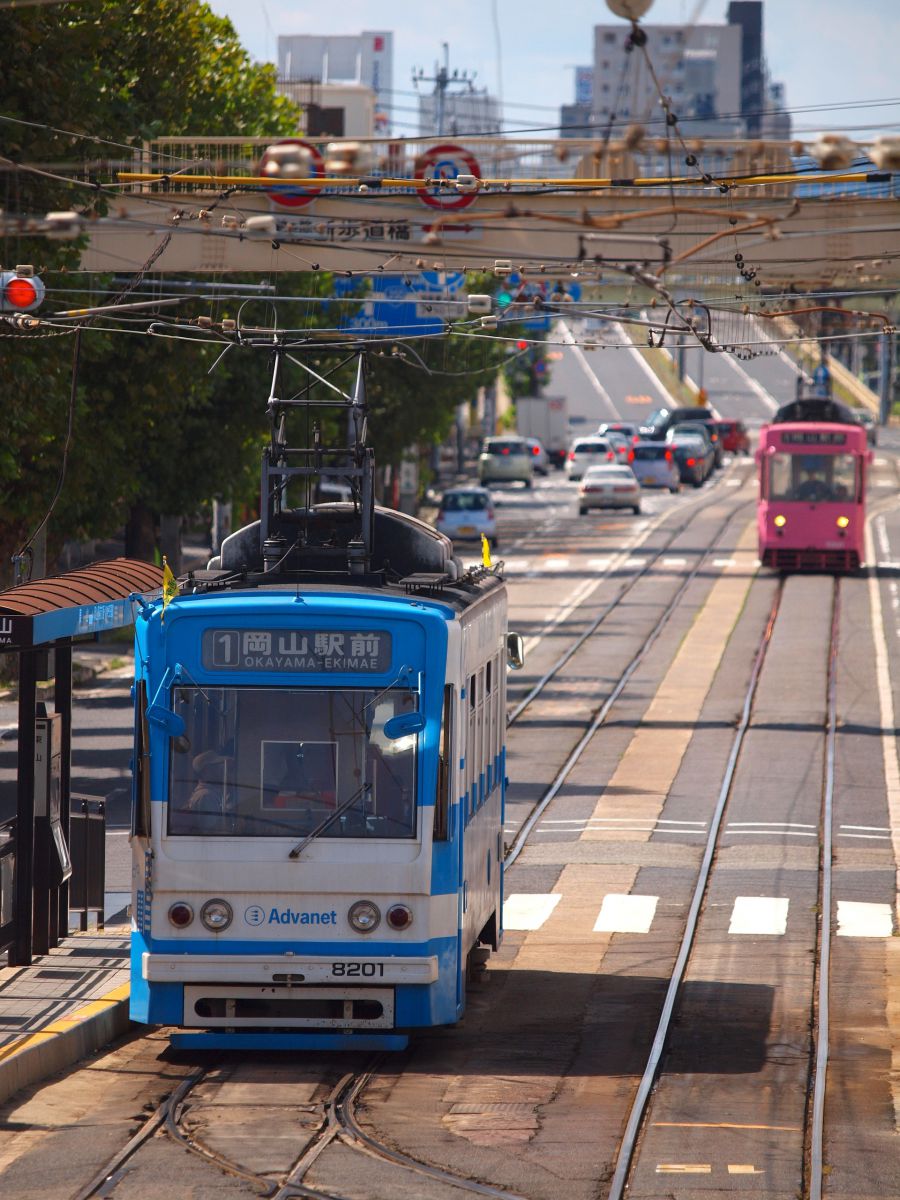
(547, 419)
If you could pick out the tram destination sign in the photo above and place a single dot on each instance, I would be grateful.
(813, 437)
(296, 650)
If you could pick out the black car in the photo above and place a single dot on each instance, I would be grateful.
(660, 422)
(693, 455)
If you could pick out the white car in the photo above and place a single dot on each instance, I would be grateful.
(506, 458)
(609, 486)
(588, 452)
(467, 512)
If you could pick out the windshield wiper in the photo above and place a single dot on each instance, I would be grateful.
(330, 819)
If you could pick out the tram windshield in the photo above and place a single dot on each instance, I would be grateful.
(817, 478)
(277, 762)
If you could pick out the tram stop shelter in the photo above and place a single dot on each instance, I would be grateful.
(48, 614)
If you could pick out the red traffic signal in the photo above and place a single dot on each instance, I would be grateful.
(521, 345)
(20, 292)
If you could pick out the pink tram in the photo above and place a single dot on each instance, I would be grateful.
(812, 489)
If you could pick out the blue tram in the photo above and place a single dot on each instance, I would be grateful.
(319, 777)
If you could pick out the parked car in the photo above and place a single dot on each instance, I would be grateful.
(733, 436)
(506, 459)
(540, 457)
(467, 512)
(868, 422)
(588, 452)
(694, 457)
(609, 485)
(654, 465)
(628, 431)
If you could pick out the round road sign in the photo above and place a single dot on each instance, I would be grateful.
(293, 194)
(446, 162)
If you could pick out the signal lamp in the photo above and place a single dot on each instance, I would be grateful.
(843, 522)
(780, 521)
(364, 916)
(181, 914)
(504, 299)
(20, 291)
(399, 916)
(216, 915)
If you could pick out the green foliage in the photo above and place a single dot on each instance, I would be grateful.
(149, 425)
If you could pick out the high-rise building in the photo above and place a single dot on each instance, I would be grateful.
(366, 59)
(699, 69)
(749, 15)
(575, 120)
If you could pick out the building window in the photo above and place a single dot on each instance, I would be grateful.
(609, 39)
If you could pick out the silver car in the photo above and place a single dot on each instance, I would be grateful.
(609, 486)
(506, 458)
(654, 465)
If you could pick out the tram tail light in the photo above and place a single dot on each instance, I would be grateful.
(399, 916)
(843, 522)
(181, 914)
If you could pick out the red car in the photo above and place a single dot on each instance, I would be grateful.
(734, 436)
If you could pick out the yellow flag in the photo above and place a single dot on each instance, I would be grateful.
(485, 551)
(169, 585)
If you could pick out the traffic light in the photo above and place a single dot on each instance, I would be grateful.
(21, 290)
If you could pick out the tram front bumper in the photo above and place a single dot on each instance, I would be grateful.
(290, 970)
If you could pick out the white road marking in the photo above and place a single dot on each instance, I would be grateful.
(683, 1169)
(555, 564)
(733, 482)
(771, 824)
(599, 564)
(869, 828)
(633, 562)
(743, 1169)
(674, 562)
(753, 384)
(885, 483)
(626, 914)
(580, 593)
(528, 910)
(880, 462)
(724, 562)
(864, 920)
(758, 915)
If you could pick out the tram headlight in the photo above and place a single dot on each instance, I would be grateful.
(780, 521)
(843, 522)
(216, 915)
(364, 916)
(399, 917)
(181, 914)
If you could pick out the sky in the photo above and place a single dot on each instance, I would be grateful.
(826, 52)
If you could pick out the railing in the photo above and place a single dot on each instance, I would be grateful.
(494, 158)
(87, 846)
(7, 883)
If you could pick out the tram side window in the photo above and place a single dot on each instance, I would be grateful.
(444, 796)
(279, 762)
(817, 478)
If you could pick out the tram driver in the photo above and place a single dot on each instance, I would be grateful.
(205, 810)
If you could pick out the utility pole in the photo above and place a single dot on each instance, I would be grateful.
(442, 80)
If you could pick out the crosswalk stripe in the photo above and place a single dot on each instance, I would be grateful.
(674, 562)
(626, 914)
(633, 562)
(856, 919)
(759, 915)
(733, 482)
(528, 910)
(599, 564)
(555, 564)
(723, 562)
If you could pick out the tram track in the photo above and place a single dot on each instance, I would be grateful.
(339, 1121)
(601, 714)
(813, 1168)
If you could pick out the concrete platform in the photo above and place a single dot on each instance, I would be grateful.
(63, 1007)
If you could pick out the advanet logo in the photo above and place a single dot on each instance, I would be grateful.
(256, 915)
